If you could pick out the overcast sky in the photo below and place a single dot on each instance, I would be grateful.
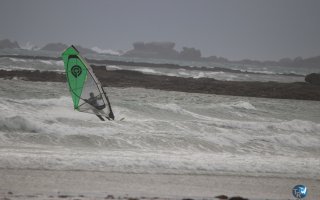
(235, 29)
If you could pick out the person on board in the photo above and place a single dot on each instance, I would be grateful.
(97, 107)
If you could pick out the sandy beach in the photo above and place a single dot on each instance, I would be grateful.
(45, 184)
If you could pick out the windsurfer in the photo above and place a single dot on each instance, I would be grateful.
(96, 107)
(84, 86)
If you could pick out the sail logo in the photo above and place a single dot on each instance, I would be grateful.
(299, 191)
(76, 71)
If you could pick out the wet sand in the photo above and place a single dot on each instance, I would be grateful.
(46, 184)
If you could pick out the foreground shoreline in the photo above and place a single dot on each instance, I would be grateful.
(126, 78)
(47, 184)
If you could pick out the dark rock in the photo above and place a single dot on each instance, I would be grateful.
(313, 78)
(55, 47)
(190, 54)
(221, 197)
(109, 197)
(59, 47)
(162, 50)
(166, 50)
(143, 64)
(83, 50)
(10, 192)
(7, 44)
(125, 78)
(153, 50)
(63, 196)
(132, 198)
(237, 198)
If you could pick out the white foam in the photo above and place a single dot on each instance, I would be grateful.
(106, 51)
(113, 67)
(259, 71)
(163, 132)
(13, 67)
(240, 105)
(48, 62)
(184, 73)
(147, 71)
(17, 60)
(29, 46)
(200, 75)
(59, 63)
(177, 109)
(17, 123)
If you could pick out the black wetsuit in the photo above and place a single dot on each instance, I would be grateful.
(94, 102)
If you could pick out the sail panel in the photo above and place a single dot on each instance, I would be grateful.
(86, 91)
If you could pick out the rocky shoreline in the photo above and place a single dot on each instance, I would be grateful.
(145, 64)
(126, 78)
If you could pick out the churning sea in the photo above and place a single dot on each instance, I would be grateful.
(162, 132)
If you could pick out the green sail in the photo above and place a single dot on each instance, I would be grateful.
(84, 85)
(76, 73)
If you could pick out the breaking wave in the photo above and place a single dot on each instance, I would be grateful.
(17, 123)
(17, 60)
(106, 51)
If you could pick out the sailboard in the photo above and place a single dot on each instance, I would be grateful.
(86, 91)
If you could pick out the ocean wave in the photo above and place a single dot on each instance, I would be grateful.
(267, 72)
(106, 51)
(113, 67)
(184, 73)
(59, 63)
(17, 123)
(239, 105)
(162, 132)
(158, 163)
(13, 67)
(62, 107)
(17, 60)
(29, 46)
(47, 62)
(148, 71)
